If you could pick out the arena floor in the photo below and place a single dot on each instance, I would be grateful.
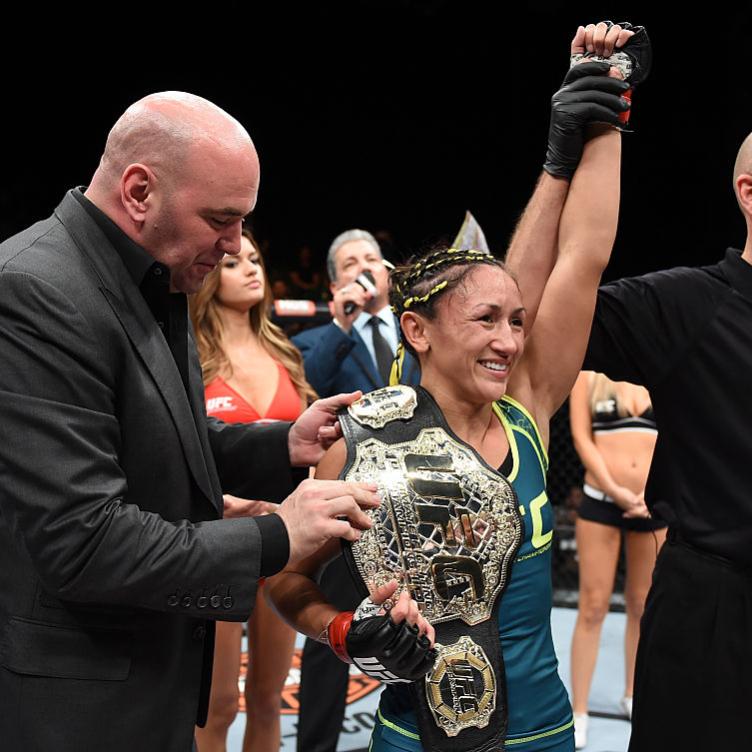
(609, 731)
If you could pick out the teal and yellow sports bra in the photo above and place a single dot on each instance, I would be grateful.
(539, 711)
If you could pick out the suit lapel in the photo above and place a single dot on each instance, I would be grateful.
(198, 407)
(134, 315)
(157, 358)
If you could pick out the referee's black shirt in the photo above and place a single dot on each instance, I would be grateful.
(686, 335)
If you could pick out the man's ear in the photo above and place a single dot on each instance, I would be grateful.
(136, 186)
(415, 331)
(744, 193)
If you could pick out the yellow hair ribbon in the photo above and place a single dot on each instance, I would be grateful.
(441, 258)
(395, 375)
(424, 298)
(466, 256)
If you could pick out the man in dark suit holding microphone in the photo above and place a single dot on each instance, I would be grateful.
(356, 350)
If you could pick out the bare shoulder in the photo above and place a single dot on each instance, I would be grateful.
(332, 462)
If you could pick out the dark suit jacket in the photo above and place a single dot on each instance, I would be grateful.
(337, 362)
(113, 561)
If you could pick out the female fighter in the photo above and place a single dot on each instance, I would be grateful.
(491, 393)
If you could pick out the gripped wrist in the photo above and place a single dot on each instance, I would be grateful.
(336, 635)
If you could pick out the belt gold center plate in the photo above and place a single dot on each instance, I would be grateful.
(446, 529)
(461, 688)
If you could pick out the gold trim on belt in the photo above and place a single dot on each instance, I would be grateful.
(446, 530)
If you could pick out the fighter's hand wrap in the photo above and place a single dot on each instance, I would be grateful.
(587, 95)
(634, 59)
(380, 648)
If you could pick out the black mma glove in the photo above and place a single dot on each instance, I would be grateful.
(386, 651)
(634, 58)
(587, 95)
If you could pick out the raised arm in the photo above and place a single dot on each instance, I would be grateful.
(556, 346)
(532, 250)
(582, 99)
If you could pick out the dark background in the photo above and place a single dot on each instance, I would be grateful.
(388, 115)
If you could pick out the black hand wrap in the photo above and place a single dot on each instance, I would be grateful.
(586, 96)
(639, 49)
(387, 651)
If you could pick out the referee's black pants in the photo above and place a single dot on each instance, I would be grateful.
(693, 678)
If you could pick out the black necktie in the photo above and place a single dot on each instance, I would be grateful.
(384, 354)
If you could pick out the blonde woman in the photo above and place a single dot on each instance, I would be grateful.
(251, 373)
(614, 433)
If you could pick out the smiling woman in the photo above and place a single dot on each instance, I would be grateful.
(461, 464)
(465, 526)
(475, 341)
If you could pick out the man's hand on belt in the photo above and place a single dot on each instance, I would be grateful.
(318, 510)
(317, 429)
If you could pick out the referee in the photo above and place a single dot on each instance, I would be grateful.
(686, 335)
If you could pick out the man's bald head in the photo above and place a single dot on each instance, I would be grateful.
(743, 190)
(177, 176)
(743, 183)
(164, 130)
(743, 164)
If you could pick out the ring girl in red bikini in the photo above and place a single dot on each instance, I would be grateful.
(251, 373)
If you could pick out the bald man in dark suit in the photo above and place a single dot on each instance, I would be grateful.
(114, 561)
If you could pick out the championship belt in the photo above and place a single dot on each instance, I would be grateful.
(447, 529)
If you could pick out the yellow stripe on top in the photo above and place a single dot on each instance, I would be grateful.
(395, 727)
(499, 411)
(510, 429)
(535, 737)
(513, 402)
(534, 444)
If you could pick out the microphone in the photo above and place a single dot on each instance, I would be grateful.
(368, 283)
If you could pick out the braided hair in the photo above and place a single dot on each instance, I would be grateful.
(418, 284)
